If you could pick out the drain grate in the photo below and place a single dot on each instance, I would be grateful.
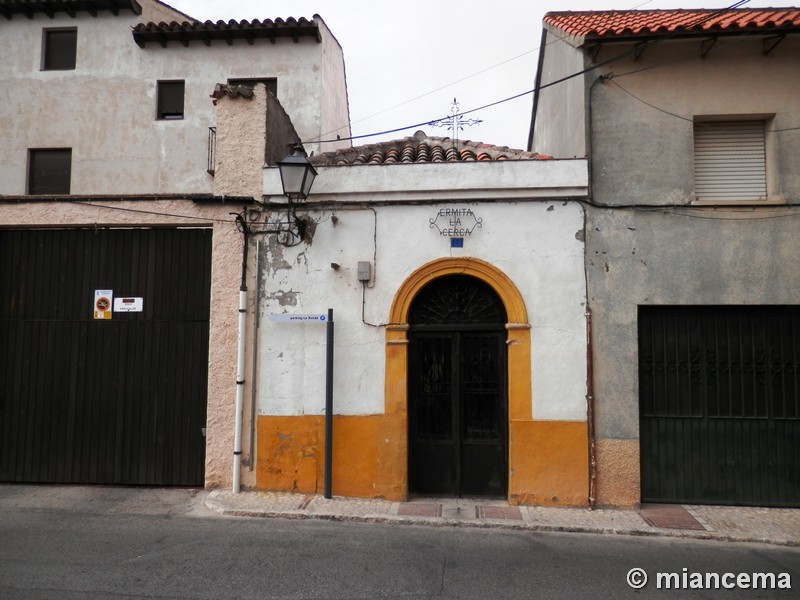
(420, 510)
(498, 512)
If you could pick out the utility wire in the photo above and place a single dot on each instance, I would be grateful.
(452, 83)
(148, 212)
(664, 38)
(681, 117)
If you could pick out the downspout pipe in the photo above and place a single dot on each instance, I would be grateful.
(237, 431)
(590, 411)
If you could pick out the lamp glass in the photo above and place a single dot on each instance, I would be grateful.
(297, 174)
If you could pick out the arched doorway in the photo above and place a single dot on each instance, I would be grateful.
(457, 389)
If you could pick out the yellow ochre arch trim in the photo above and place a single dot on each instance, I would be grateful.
(480, 269)
(519, 355)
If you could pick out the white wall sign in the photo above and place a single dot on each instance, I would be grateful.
(298, 318)
(128, 304)
(455, 222)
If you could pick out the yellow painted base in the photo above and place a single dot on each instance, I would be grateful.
(369, 456)
(547, 459)
(549, 463)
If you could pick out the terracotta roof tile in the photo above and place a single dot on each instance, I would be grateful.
(633, 23)
(420, 148)
(8, 8)
(209, 31)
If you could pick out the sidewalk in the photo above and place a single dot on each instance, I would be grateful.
(779, 526)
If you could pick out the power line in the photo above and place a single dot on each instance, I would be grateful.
(664, 38)
(681, 117)
(148, 212)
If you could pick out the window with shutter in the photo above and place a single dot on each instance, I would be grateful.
(730, 161)
(49, 171)
(170, 99)
(59, 49)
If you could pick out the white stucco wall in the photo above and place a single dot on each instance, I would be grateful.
(334, 114)
(560, 125)
(105, 109)
(537, 244)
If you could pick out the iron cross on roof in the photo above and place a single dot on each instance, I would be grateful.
(455, 122)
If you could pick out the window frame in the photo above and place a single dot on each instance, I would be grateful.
(63, 187)
(163, 112)
(757, 157)
(48, 45)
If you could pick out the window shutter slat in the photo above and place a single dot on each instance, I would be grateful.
(730, 160)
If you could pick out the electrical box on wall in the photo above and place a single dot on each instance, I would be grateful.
(364, 270)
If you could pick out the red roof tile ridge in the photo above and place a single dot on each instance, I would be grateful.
(421, 148)
(612, 23)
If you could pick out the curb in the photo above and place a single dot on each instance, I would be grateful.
(219, 507)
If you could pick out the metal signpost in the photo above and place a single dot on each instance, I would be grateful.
(328, 320)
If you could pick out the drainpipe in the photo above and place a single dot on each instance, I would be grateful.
(590, 409)
(237, 431)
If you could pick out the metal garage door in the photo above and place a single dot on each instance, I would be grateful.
(104, 401)
(720, 404)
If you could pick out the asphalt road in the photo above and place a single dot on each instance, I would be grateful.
(116, 543)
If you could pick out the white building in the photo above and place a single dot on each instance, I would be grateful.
(455, 273)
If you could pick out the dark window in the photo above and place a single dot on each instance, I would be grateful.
(49, 171)
(60, 47)
(170, 99)
(270, 83)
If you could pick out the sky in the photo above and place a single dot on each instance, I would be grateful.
(406, 61)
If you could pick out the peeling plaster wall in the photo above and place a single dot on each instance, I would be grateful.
(225, 275)
(679, 256)
(533, 243)
(644, 258)
(537, 245)
(105, 109)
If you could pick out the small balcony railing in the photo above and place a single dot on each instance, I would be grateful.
(212, 150)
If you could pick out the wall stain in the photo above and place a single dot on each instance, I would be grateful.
(284, 297)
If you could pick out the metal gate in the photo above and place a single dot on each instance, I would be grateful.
(458, 442)
(104, 401)
(720, 404)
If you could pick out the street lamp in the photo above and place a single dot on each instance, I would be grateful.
(297, 174)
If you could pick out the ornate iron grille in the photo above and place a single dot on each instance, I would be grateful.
(720, 404)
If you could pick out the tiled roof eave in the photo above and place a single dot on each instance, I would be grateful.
(627, 37)
(186, 32)
(28, 8)
(630, 25)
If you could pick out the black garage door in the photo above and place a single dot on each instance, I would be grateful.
(118, 400)
(720, 404)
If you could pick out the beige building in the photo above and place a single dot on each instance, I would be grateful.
(121, 260)
(690, 122)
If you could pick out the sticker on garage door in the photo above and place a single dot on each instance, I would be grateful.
(102, 303)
